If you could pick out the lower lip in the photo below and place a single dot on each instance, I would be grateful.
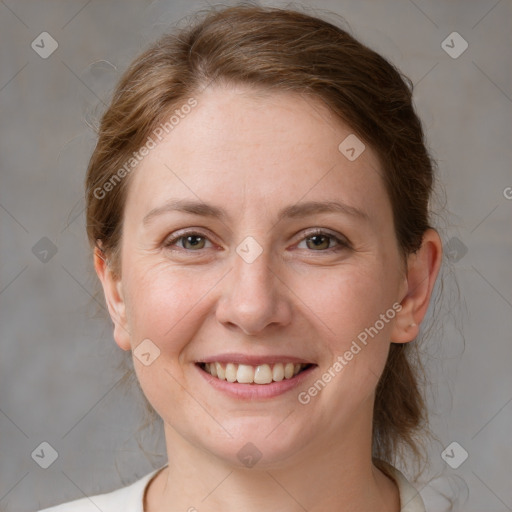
(255, 391)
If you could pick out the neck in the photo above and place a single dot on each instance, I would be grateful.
(330, 475)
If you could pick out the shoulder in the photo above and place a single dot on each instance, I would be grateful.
(127, 499)
(410, 498)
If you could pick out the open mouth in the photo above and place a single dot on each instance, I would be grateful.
(249, 374)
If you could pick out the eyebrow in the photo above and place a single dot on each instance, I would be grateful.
(294, 211)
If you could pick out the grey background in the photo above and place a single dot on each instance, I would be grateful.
(59, 380)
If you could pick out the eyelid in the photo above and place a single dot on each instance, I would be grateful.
(342, 241)
(177, 235)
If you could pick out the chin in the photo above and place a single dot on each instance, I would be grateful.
(260, 443)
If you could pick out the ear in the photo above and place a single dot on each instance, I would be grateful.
(114, 298)
(422, 270)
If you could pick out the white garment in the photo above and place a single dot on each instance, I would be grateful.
(131, 498)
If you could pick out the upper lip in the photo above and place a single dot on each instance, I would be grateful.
(253, 360)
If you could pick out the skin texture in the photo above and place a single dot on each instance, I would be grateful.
(253, 154)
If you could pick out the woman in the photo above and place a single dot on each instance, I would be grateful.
(258, 204)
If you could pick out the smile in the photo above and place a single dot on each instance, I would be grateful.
(250, 374)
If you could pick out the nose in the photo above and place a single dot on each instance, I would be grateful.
(254, 296)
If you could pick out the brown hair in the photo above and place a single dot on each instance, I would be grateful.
(283, 50)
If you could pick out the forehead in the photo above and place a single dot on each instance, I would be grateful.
(241, 146)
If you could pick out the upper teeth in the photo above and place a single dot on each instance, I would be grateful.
(246, 374)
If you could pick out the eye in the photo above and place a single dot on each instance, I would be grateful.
(189, 241)
(320, 241)
(317, 240)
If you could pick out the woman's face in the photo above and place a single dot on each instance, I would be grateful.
(243, 278)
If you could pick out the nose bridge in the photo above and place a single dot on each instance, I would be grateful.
(253, 298)
(253, 286)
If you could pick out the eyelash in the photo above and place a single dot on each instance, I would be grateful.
(341, 243)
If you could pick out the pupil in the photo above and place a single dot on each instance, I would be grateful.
(189, 238)
(317, 239)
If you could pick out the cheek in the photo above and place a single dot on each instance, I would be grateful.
(348, 304)
(346, 301)
(162, 385)
(163, 306)
(354, 313)
(163, 303)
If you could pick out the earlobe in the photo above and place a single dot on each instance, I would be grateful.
(422, 270)
(114, 297)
